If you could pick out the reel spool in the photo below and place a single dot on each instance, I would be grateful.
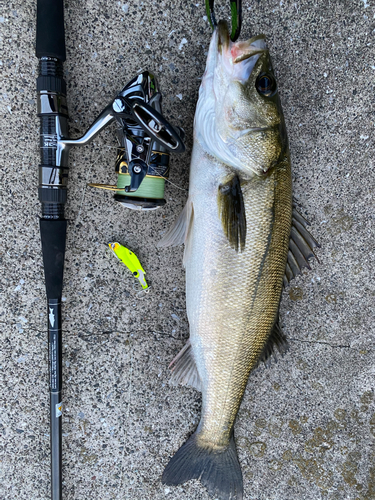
(146, 140)
(150, 193)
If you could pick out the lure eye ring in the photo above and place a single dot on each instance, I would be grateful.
(266, 84)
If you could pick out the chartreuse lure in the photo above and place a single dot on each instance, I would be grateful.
(131, 261)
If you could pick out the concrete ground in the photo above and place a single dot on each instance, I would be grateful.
(306, 427)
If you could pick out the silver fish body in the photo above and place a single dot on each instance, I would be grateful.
(232, 297)
(236, 227)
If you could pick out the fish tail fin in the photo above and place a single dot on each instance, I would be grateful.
(218, 470)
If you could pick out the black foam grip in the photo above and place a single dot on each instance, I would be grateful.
(53, 236)
(50, 34)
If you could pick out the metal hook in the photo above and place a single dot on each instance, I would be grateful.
(236, 14)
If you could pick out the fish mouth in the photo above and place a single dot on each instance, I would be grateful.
(239, 51)
(224, 40)
(251, 50)
(227, 62)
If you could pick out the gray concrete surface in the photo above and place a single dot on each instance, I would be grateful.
(306, 427)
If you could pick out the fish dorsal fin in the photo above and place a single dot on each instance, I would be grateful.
(232, 213)
(301, 247)
(184, 369)
(276, 340)
(178, 233)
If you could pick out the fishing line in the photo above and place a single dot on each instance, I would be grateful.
(175, 185)
(151, 187)
(165, 178)
(151, 190)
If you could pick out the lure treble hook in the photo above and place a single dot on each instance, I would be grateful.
(236, 15)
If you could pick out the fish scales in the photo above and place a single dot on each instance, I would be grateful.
(233, 298)
(236, 227)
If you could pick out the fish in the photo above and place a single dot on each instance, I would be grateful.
(244, 241)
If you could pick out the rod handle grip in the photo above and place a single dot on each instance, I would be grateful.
(53, 237)
(50, 33)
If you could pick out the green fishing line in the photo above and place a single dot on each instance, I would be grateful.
(151, 187)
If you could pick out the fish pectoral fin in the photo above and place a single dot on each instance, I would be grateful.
(301, 247)
(184, 369)
(178, 233)
(277, 340)
(232, 213)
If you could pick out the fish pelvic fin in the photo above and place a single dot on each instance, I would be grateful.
(301, 247)
(232, 212)
(217, 469)
(178, 233)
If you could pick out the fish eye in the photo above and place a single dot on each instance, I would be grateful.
(266, 84)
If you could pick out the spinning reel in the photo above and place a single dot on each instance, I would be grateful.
(146, 141)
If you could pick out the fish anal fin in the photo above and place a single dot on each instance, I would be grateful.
(184, 370)
(301, 247)
(232, 213)
(178, 233)
(276, 340)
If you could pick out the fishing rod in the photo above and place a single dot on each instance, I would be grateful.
(146, 140)
(53, 176)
